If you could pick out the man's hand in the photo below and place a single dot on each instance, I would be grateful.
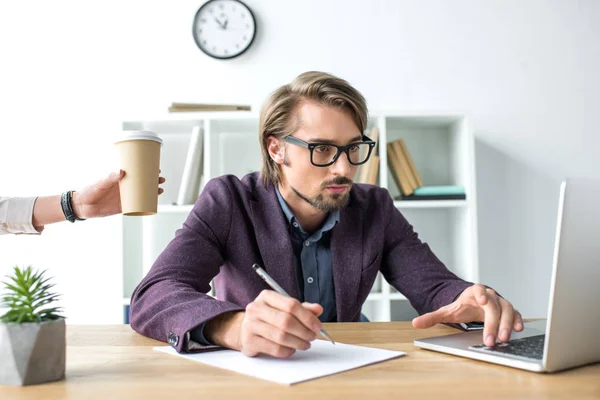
(102, 198)
(477, 303)
(273, 324)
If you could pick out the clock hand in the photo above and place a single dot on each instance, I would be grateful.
(219, 22)
(225, 24)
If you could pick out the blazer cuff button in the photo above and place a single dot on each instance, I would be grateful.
(172, 339)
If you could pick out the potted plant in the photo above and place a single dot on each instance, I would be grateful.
(32, 333)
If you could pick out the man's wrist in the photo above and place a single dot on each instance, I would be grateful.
(77, 206)
(224, 330)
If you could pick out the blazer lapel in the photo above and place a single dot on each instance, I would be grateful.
(346, 259)
(274, 241)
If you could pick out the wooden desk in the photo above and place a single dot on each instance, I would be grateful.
(113, 362)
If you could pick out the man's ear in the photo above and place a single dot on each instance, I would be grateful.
(276, 150)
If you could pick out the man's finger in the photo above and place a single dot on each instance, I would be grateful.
(491, 321)
(430, 319)
(261, 345)
(285, 322)
(291, 306)
(280, 337)
(506, 320)
(518, 322)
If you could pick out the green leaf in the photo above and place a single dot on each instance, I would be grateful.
(28, 297)
(17, 289)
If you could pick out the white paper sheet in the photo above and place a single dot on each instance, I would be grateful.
(322, 359)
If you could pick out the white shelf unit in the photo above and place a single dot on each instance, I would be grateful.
(441, 145)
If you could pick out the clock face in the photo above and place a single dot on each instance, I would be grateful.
(224, 28)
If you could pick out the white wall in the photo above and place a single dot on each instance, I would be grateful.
(526, 72)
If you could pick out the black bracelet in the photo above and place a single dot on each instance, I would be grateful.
(67, 207)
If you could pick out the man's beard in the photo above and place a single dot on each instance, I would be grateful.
(337, 200)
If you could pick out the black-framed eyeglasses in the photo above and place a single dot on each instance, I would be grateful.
(325, 154)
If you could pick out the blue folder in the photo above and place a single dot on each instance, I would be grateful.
(439, 190)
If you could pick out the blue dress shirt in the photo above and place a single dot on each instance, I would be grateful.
(312, 261)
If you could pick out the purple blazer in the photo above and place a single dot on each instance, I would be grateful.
(236, 223)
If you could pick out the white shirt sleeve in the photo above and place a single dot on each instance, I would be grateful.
(16, 215)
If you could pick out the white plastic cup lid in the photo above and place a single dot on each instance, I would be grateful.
(139, 135)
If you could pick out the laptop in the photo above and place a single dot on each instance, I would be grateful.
(570, 337)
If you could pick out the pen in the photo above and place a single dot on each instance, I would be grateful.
(275, 286)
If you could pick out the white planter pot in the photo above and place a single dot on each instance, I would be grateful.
(32, 353)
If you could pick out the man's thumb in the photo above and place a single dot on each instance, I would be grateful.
(117, 176)
(426, 320)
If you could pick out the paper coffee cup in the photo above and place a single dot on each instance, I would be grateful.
(139, 152)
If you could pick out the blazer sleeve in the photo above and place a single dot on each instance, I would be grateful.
(413, 269)
(171, 300)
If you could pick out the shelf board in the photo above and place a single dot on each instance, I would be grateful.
(430, 203)
(168, 208)
(397, 296)
(192, 116)
(375, 296)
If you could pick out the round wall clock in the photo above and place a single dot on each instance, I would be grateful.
(224, 29)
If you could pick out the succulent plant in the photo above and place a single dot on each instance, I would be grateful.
(28, 297)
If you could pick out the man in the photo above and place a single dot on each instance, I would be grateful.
(29, 215)
(320, 237)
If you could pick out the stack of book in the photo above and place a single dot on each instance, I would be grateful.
(409, 181)
(367, 173)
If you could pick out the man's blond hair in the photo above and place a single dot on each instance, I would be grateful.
(278, 116)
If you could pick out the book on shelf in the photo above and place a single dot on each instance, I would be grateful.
(398, 170)
(404, 165)
(367, 172)
(374, 168)
(193, 107)
(432, 197)
(409, 182)
(411, 164)
(440, 190)
(192, 170)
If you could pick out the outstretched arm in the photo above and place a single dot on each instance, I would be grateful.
(438, 294)
(101, 199)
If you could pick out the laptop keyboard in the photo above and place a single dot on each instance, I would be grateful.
(531, 347)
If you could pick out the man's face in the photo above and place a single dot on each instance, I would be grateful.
(326, 188)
